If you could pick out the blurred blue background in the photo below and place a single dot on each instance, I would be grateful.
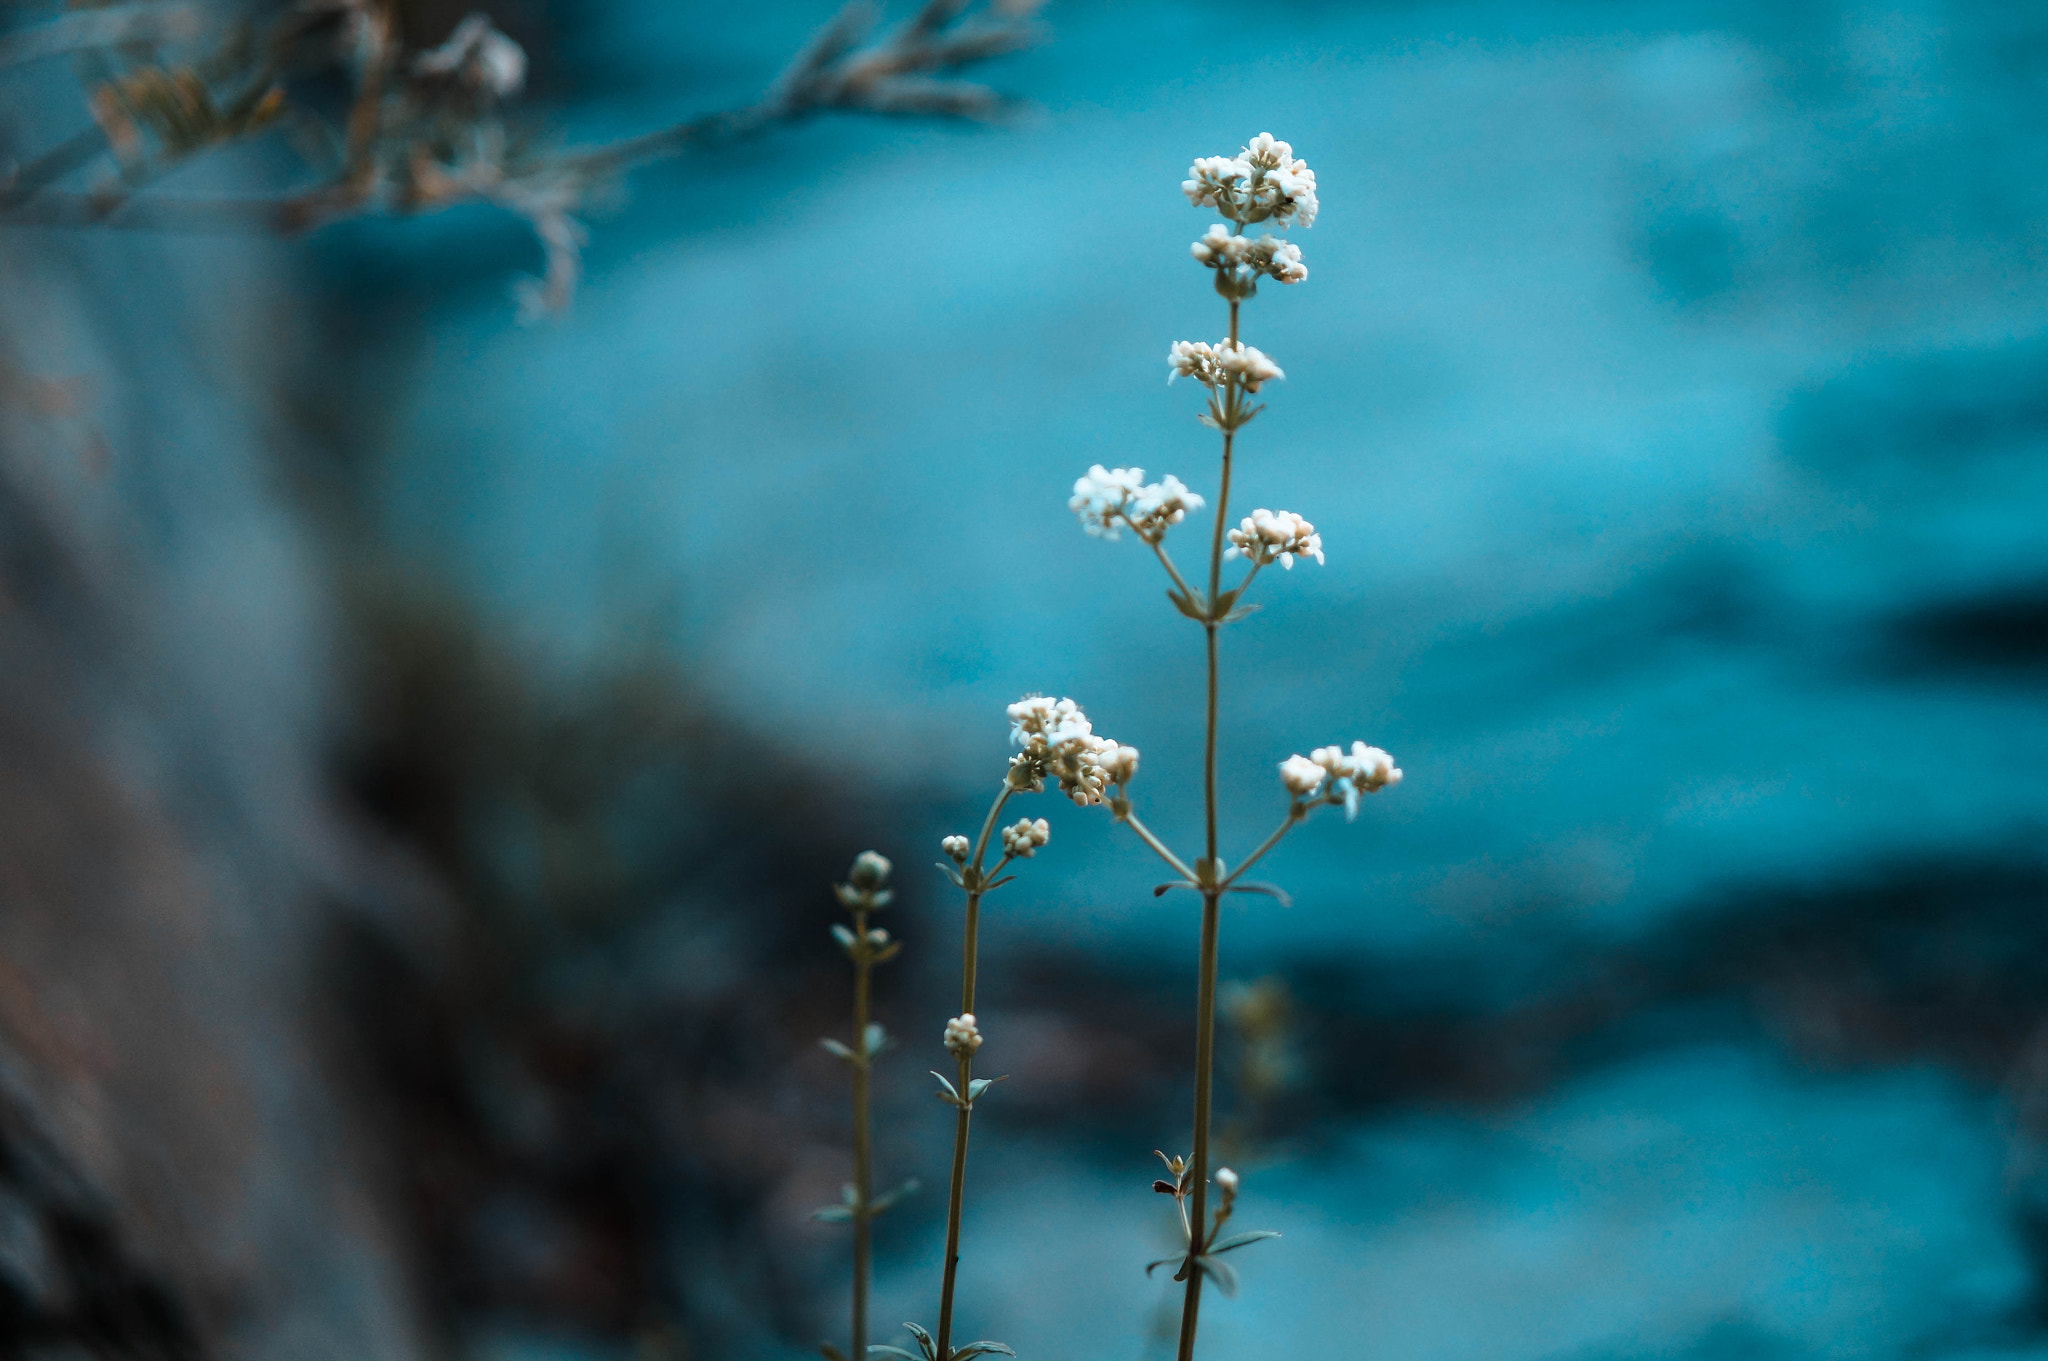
(1670, 389)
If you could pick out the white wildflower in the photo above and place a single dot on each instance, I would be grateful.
(1194, 359)
(1212, 178)
(1059, 742)
(956, 847)
(1118, 766)
(963, 1037)
(1227, 1181)
(1100, 497)
(1109, 497)
(1301, 775)
(1264, 181)
(1362, 770)
(1023, 837)
(1160, 504)
(1266, 536)
(1248, 366)
(1214, 365)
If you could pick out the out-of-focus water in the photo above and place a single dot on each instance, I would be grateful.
(1665, 379)
(1669, 391)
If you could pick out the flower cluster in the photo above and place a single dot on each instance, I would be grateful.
(1109, 496)
(1335, 775)
(1059, 741)
(963, 1037)
(1023, 837)
(1240, 257)
(956, 847)
(1264, 180)
(1227, 361)
(1265, 536)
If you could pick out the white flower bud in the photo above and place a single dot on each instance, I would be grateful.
(963, 1037)
(1301, 776)
(1280, 536)
(957, 848)
(1227, 1180)
(1023, 837)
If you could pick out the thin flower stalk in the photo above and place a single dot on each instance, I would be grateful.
(863, 894)
(1264, 183)
(1058, 745)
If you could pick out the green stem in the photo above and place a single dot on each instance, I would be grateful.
(1145, 835)
(956, 1194)
(863, 1173)
(1205, 1004)
(1295, 813)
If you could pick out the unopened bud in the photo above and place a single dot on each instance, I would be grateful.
(870, 871)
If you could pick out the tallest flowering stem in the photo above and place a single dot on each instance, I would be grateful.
(1210, 875)
(1264, 183)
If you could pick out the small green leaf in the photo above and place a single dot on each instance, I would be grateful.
(999, 883)
(1223, 1273)
(1270, 890)
(833, 1214)
(888, 952)
(1187, 606)
(951, 1093)
(882, 898)
(1151, 1267)
(978, 1086)
(1162, 890)
(924, 1340)
(981, 1349)
(843, 936)
(830, 1352)
(1238, 1240)
(873, 1041)
(837, 1049)
(951, 873)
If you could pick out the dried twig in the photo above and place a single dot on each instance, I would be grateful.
(424, 130)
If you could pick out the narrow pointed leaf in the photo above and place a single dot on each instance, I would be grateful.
(1162, 890)
(981, 1349)
(924, 1340)
(999, 883)
(833, 1214)
(978, 1086)
(1164, 1188)
(1238, 1240)
(951, 1093)
(950, 872)
(837, 1049)
(1223, 1273)
(1270, 890)
(1151, 1267)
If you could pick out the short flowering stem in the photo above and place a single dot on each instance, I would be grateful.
(956, 1194)
(863, 1173)
(1145, 835)
(1295, 813)
(1172, 571)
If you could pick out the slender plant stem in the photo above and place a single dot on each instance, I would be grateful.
(863, 1172)
(956, 1194)
(1295, 813)
(1145, 835)
(1205, 1003)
